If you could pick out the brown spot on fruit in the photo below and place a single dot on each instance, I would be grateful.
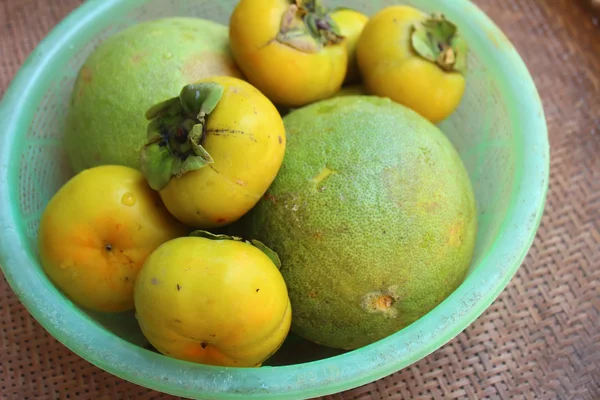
(204, 344)
(86, 75)
(206, 64)
(380, 302)
(126, 258)
(280, 139)
(137, 58)
(455, 237)
(225, 132)
(221, 220)
(384, 302)
(270, 197)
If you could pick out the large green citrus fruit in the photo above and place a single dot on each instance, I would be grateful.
(373, 216)
(130, 72)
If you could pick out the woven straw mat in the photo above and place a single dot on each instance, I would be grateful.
(539, 340)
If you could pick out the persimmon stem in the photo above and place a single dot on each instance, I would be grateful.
(176, 133)
(307, 26)
(438, 40)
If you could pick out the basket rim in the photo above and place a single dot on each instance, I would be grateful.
(313, 379)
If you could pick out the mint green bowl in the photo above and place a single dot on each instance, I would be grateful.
(499, 130)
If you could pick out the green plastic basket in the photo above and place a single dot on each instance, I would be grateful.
(499, 130)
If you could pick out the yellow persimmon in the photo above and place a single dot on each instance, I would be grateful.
(351, 24)
(213, 151)
(291, 50)
(415, 59)
(213, 300)
(96, 233)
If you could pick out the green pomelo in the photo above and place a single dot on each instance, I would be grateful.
(132, 71)
(373, 216)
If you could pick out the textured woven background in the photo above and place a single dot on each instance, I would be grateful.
(540, 339)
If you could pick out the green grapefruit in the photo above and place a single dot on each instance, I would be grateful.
(373, 216)
(130, 72)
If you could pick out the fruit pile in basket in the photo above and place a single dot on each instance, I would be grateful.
(283, 173)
